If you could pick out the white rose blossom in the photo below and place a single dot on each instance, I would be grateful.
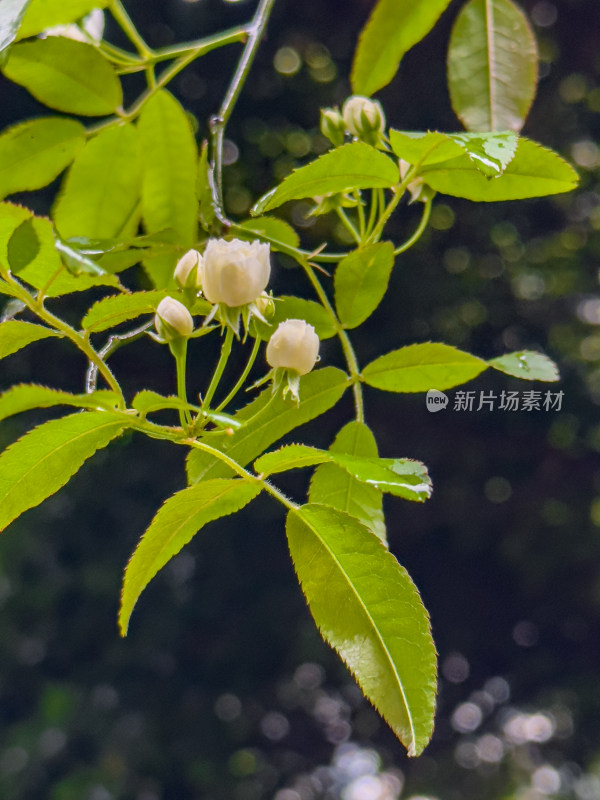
(234, 273)
(173, 320)
(294, 345)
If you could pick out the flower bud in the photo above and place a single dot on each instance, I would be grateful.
(294, 345)
(332, 126)
(172, 320)
(265, 305)
(234, 273)
(187, 271)
(364, 118)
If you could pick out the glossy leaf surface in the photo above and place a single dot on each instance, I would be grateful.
(492, 66)
(15, 334)
(354, 165)
(42, 461)
(528, 365)
(361, 280)
(175, 524)
(333, 486)
(366, 607)
(33, 153)
(267, 419)
(102, 187)
(67, 75)
(420, 367)
(534, 171)
(393, 28)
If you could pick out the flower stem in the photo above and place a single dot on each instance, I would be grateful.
(419, 231)
(125, 23)
(223, 358)
(178, 348)
(348, 225)
(243, 376)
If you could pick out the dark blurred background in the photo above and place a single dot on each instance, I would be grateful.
(223, 689)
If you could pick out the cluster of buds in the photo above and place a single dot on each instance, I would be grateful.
(360, 117)
(233, 276)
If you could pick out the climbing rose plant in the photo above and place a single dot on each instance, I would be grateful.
(139, 193)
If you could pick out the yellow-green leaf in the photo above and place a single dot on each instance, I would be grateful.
(15, 334)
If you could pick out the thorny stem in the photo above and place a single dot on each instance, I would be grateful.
(114, 342)
(225, 351)
(218, 124)
(243, 376)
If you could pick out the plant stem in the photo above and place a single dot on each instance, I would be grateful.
(243, 376)
(58, 324)
(179, 350)
(125, 23)
(361, 214)
(419, 231)
(349, 353)
(223, 358)
(114, 342)
(218, 124)
(348, 225)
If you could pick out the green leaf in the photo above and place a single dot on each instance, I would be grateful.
(42, 461)
(492, 66)
(333, 486)
(24, 397)
(67, 75)
(267, 419)
(23, 246)
(353, 166)
(15, 334)
(366, 607)
(491, 153)
(114, 310)
(170, 165)
(33, 153)
(528, 365)
(398, 476)
(534, 171)
(361, 280)
(297, 308)
(393, 28)
(11, 17)
(273, 229)
(420, 367)
(43, 14)
(76, 262)
(175, 524)
(102, 187)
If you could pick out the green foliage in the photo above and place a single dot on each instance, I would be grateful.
(25, 397)
(492, 66)
(33, 153)
(169, 201)
(66, 75)
(114, 310)
(334, 486)
(11, 18)
(367, 607)
(267, 419)
(526, 364)
(393, 28)
(103, 186)
(176, 523)
(290, 307)
(43, 14)
(361, 280)
(15, 334)
(274, 230)
(42, 461)
(355, 165)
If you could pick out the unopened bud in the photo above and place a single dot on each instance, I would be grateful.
(187, 271)
(364, 118)
(172, 320)
(294, 345)
(265, 305)
(332, 126)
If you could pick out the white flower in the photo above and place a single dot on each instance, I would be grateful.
(294, 345)
(173, 320)
(234, 273)
(188, 269)
(363, 117)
